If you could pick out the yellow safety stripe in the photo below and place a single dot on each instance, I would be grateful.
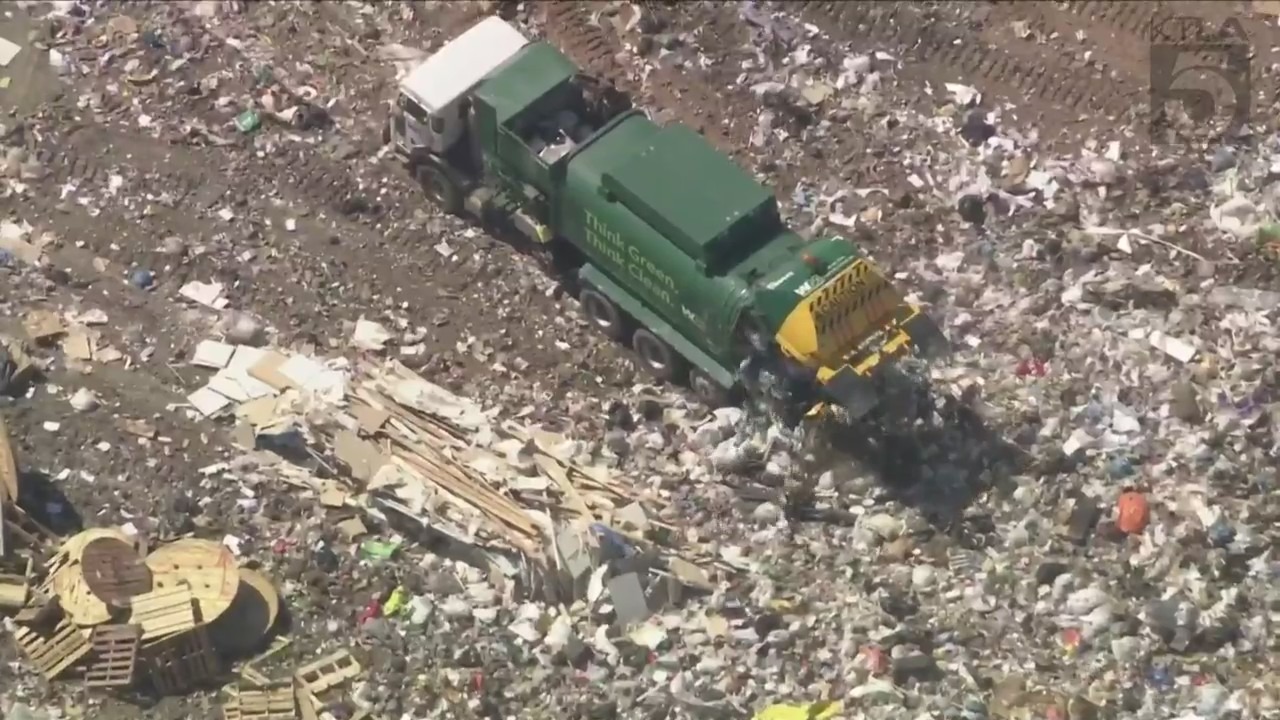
(859, 311)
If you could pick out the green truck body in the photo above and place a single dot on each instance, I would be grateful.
(669, 231)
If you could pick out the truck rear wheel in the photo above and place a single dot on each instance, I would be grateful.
(602, 313)
(657, 356)
(440, 185)
(710, 392)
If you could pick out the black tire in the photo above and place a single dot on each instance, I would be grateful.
(710, 392)
(602, 313)
(440, 185)
(658, 358)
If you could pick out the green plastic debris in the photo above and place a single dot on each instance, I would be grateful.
(378, 549)
(248, 121)
(396, 602)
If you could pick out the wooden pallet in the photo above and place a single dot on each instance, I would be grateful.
(275, 701)
(54, 653)
(15, 588)
(115, 656)
(164, 612)
(181, 662)
(328, 672)
(24, 529)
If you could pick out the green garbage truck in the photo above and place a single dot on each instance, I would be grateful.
(671, 246)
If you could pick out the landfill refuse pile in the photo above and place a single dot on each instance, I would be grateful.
(520, 502)
(104, 610)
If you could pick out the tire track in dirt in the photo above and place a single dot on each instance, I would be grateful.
(949, 54)
(686, 95)
(1128, 16)
(179, 186)
(67, 155)
(195, 182)
(1121, 30)
(568, 25)
(1112, 33)
(333, 268)
(306, 173)
(1122, 33)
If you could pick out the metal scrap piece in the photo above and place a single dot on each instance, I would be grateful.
(54, 653)
(115, 656)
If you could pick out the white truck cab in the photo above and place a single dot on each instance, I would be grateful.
(429, 112)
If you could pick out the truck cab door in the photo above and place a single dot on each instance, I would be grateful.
(417, 131)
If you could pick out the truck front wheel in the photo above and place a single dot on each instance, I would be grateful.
(440, 185)
(657, 356)
(602, 312)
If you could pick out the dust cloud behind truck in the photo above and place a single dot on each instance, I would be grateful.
(670, 245)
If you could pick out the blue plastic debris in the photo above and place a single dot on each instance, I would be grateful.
(7, 259)
(153, 40)
(612, 544)
(8, 367)
(1120, 467)
(1160, 677)
(1221, 533)
(142, 279)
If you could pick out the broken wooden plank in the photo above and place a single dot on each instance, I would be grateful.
(503, 513)
(8, 482)
(552, 469)
(56, 652)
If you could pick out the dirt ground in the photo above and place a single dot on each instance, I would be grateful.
(312, 229)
